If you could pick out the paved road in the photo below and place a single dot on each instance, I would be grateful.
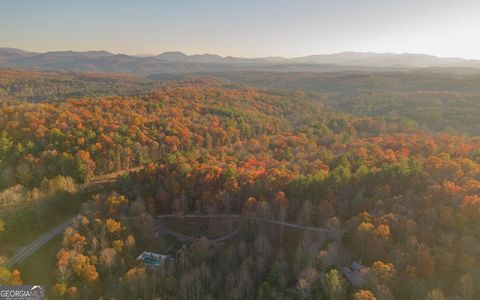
(28, 250)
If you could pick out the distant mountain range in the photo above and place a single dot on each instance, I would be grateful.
(178, 62)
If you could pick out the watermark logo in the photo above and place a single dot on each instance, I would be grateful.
(22, 292)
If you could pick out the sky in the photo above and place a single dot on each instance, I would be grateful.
(246, 28)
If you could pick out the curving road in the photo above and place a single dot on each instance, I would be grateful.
(28, 250)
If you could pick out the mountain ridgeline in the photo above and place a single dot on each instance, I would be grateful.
(178, 62)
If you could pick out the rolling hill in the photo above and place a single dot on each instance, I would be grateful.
(178, 62)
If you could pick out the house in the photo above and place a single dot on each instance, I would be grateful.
(357, 274)
(153, 260)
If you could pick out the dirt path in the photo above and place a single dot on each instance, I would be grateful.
(334, 231)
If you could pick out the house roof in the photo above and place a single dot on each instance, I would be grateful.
(357, 274)
(153, 259)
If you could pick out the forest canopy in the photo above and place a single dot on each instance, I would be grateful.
(390, 172)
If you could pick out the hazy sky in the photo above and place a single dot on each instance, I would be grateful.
(244, 27)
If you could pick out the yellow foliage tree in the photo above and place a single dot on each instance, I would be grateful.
(364, 295)
(113, 226)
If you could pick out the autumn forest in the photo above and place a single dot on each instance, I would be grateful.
(337, 185)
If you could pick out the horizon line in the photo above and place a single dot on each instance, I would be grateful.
(233, 56)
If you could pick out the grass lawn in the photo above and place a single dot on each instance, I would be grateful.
(9, 246)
